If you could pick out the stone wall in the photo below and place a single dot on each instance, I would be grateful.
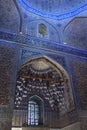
(79, 69)
(9, 61)
(8, 70)
(75, 126)
(10, 17)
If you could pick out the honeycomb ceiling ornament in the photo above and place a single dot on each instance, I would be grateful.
(42, 77)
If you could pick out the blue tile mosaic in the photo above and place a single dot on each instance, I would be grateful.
(50, 46)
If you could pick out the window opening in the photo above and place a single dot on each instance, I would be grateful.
(43, 31)
(33, 113)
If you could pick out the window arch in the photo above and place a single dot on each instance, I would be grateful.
(35, 111)
(42, 30)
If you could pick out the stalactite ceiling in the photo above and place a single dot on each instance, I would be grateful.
(42, 77)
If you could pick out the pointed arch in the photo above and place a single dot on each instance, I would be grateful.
(35, 110)
(43, 82)
(63, 75)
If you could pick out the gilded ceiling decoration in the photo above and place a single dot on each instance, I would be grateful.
(56, 9)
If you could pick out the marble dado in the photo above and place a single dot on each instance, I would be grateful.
(75, 126)
(35, 128)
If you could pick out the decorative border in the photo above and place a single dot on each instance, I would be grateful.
(42, 44)
(51, 16)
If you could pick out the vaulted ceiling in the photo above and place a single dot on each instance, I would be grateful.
(67, 17)
(54, 8)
